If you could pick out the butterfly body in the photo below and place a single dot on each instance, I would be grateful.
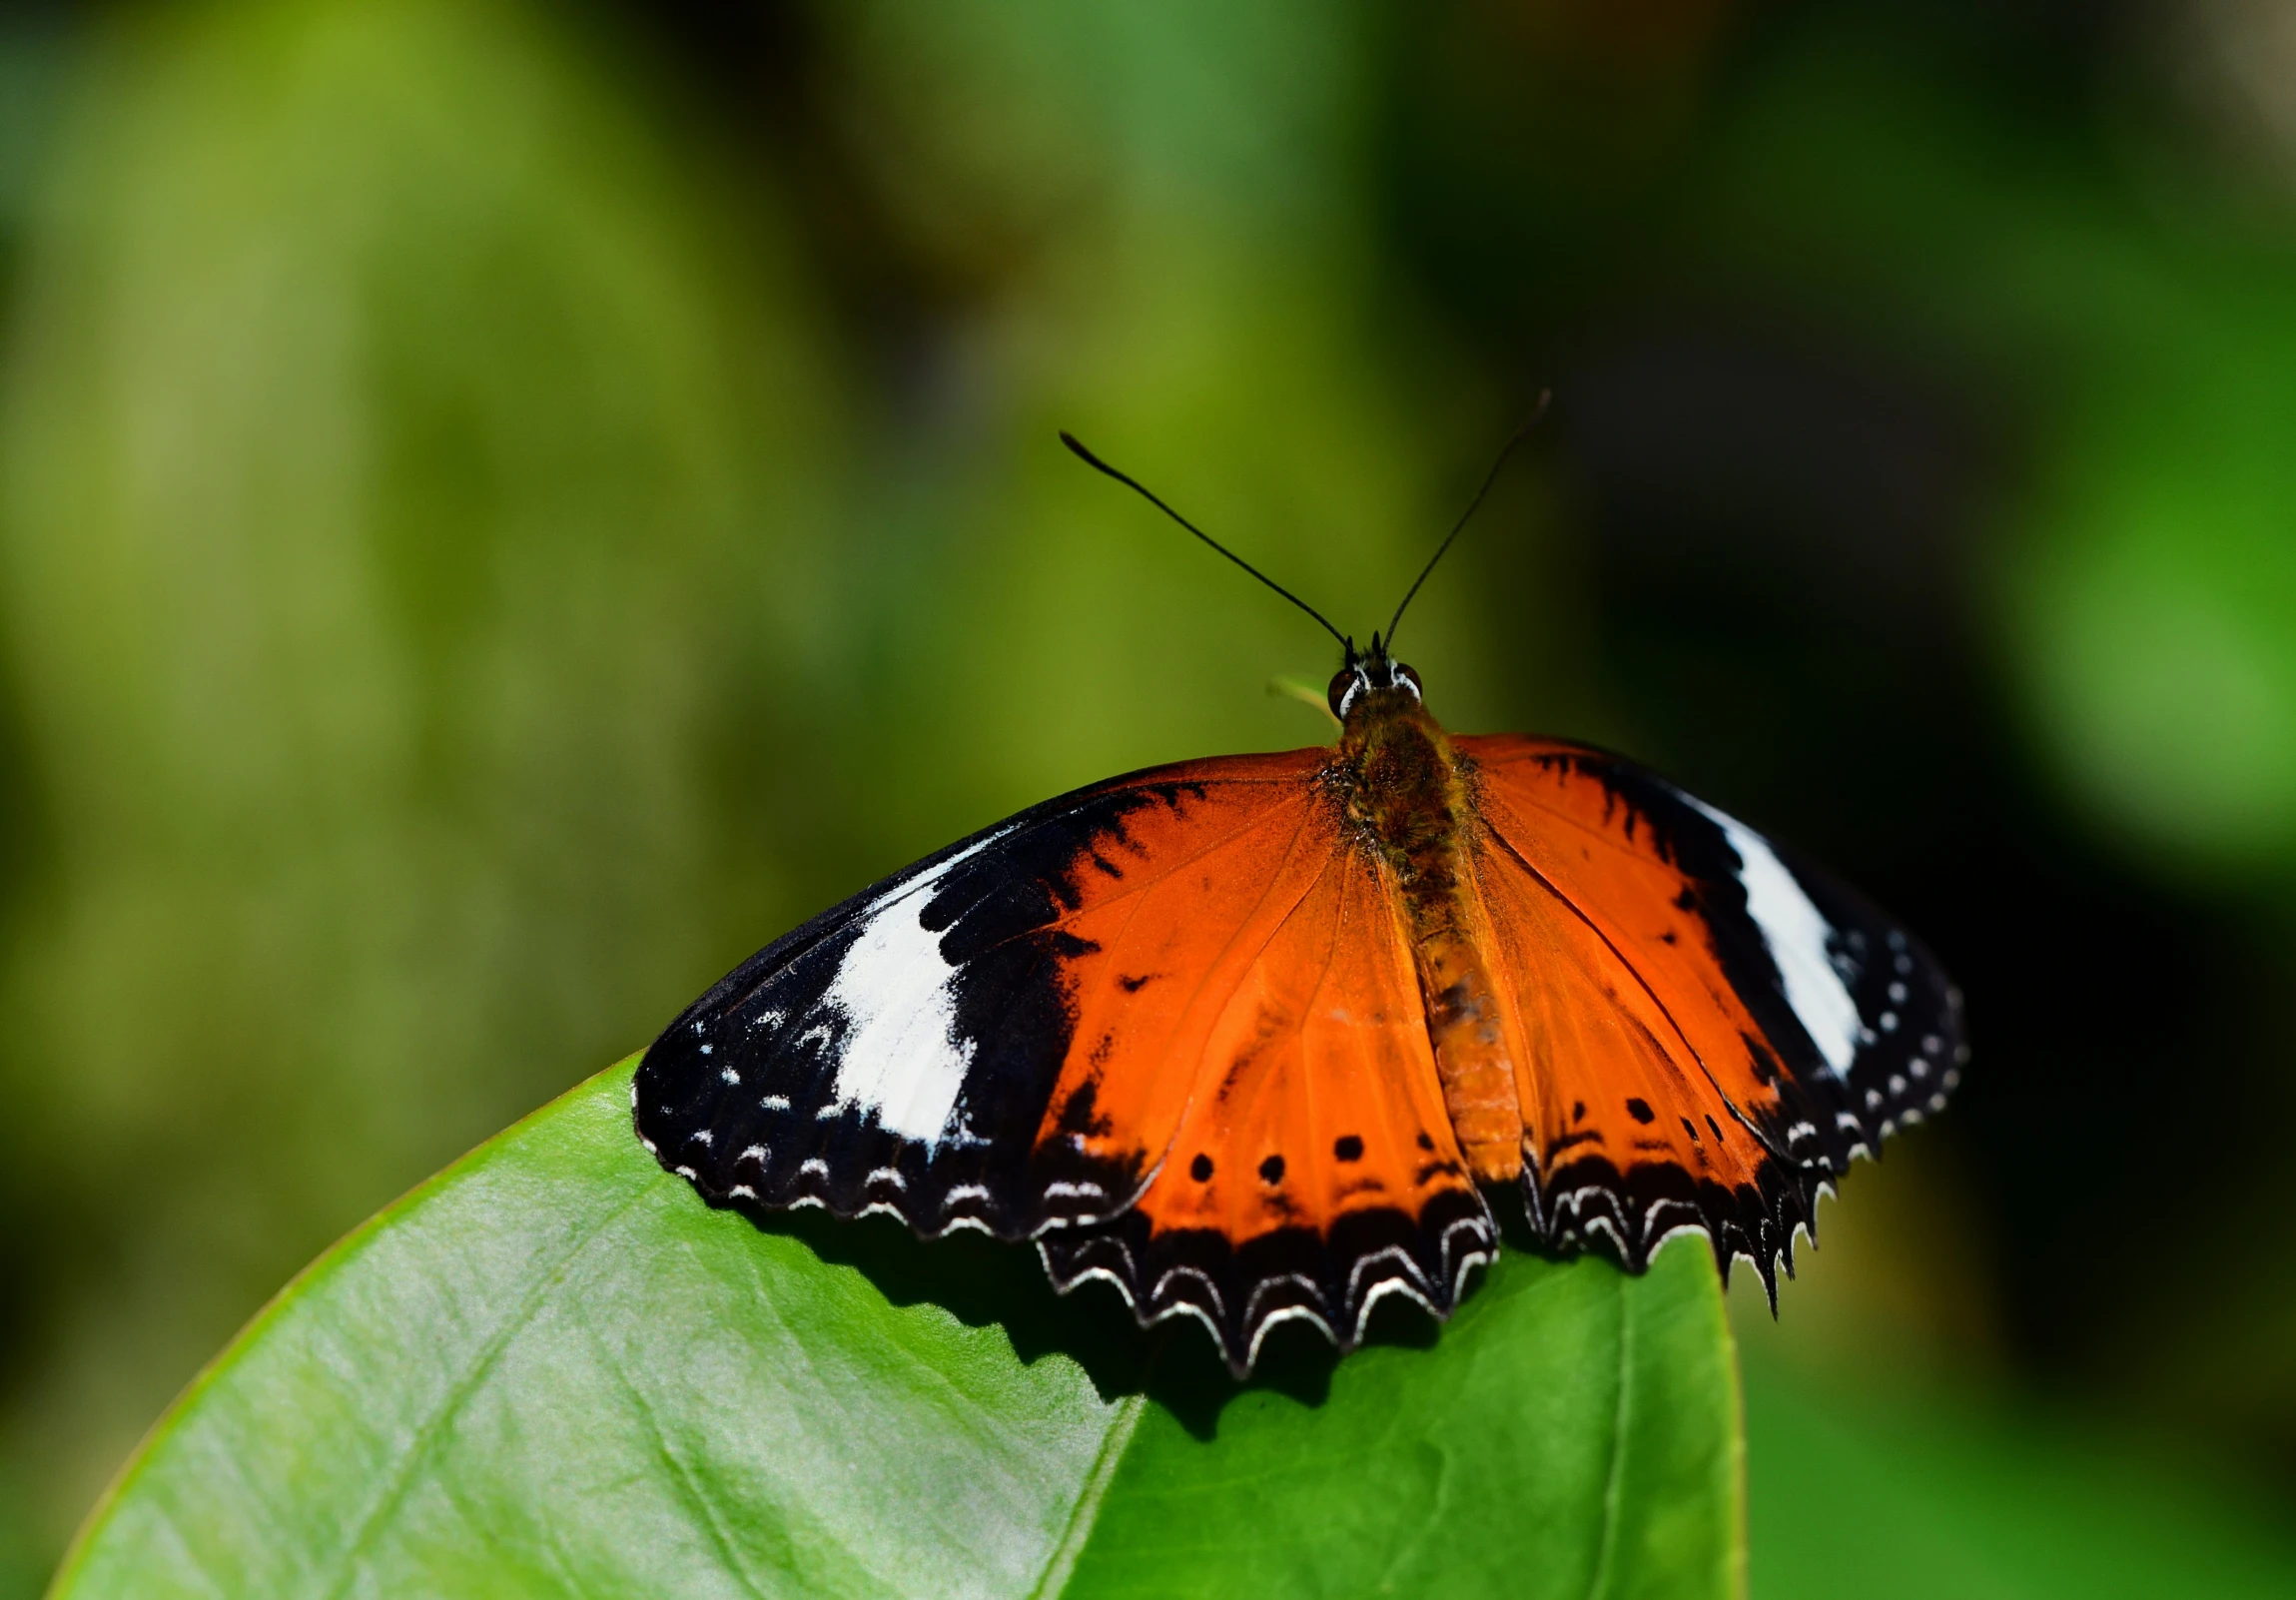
(1410, 794)
(1249, 1037)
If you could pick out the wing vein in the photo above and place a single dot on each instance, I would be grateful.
(1196, 1075)
(1642, 982)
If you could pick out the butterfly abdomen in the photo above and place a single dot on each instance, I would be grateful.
(1407, 793)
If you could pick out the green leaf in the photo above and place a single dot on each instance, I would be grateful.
(1575, 1431)
(553, 1371)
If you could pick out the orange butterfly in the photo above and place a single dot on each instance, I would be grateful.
(1246, 1036)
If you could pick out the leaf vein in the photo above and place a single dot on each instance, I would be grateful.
(459, 1395)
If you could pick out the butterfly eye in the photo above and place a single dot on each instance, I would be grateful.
(1344, 683)
(1404, 675)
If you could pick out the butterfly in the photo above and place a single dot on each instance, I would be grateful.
(1256, 1037)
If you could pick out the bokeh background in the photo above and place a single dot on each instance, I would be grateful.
(506, 507)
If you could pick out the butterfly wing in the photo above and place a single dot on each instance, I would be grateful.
(1311, 1168)
(1707, 1029)
(1166, 1025)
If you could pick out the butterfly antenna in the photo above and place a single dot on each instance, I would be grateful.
(1141, 490)
(1490, 478)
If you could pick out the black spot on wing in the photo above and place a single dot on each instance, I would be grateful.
(1761, 1062)
(1079, 1114)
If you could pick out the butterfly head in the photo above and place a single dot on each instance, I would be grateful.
(1366, 673)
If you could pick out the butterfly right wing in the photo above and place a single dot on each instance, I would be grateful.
(1709, 1028)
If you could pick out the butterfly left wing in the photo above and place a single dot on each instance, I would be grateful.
(1168, 1025)
(901, 1052)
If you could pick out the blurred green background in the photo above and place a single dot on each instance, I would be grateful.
(504, 507)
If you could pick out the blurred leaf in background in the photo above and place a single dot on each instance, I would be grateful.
(1161, 209)
(2134, 314)
(399, 444)
(2123, 316)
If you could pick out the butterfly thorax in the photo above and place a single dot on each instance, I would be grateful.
(1409, 793)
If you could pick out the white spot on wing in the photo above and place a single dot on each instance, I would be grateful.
(1795, 933)
(901, 1057)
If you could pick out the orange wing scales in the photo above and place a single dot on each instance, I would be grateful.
(1241, 1036)
(1311, 1168)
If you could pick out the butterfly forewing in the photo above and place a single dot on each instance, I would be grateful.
(901, 1051)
